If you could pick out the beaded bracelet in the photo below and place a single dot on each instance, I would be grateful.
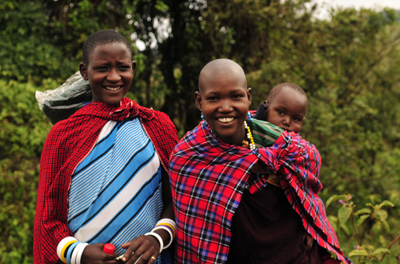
(158, 238)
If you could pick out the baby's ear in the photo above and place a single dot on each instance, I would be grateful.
(266, 105)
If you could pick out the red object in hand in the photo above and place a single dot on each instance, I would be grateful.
(108, 248)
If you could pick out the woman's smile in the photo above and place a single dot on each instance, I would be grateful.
(225, 119)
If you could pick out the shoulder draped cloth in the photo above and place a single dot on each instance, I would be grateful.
(67, 144)
(208, 178)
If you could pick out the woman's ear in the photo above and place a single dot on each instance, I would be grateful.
(197, 99)
(83, 70)
(249, 95)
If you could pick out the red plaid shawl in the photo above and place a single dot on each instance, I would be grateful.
(208, 178)
(67, 144)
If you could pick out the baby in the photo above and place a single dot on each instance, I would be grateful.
(285, 107)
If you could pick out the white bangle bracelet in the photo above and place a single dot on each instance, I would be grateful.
(80, 252)
(171, 236)
(74, 254)
(62, 243)
(158, 238)
(167, 220)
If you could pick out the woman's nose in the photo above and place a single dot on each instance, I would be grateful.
(113, 75)
(225, 105)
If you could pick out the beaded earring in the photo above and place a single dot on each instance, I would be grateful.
(202, 118)
(249, 116)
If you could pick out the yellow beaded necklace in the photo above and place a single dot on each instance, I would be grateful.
(245, 143)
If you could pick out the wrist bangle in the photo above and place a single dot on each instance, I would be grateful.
(71, 250)
(158, 238)
(80, 252)
(168, 229)
(74, 253)
(168, 222)
(63, 246)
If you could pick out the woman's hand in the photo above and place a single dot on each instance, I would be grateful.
(93, 254)
(147, 248)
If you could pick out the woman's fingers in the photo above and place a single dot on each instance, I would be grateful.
(146, 249)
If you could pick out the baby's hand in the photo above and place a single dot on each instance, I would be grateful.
(308, 241)
(146, 248)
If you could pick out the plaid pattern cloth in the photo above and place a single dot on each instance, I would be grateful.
(67, 144)
(208, 178)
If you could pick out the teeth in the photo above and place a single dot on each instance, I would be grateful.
(113, 88)
(225, 119)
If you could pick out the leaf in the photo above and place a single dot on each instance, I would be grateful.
(334, 198)
(344, 214)
(345, 228)
(386, 226)
(362, 219)
(386, 203)
(363, 211)
(382, 215)
(358, 252)
(380, 251)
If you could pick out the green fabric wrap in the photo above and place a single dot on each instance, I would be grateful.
(264, 133)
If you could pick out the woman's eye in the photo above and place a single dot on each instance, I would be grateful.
(102, 68)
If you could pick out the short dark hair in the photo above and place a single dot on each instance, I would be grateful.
(100, 38)
(277, 89)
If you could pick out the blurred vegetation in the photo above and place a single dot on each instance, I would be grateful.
(348, 64)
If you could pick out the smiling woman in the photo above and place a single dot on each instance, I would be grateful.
(103, 171)
(110, 72)
(224, 99)
(227, 211)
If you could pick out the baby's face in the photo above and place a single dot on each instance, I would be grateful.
(287, 110)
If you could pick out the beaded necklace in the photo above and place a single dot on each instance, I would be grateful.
(245, 143)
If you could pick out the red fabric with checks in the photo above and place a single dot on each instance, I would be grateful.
(67, 144)
(208, 177)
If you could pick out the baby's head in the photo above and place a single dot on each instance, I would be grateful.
(224, 99)
(286, 106)
(107, 64)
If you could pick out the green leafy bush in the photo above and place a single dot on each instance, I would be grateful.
(23, 131)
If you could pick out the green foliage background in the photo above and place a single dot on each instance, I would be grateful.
(349, 65)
